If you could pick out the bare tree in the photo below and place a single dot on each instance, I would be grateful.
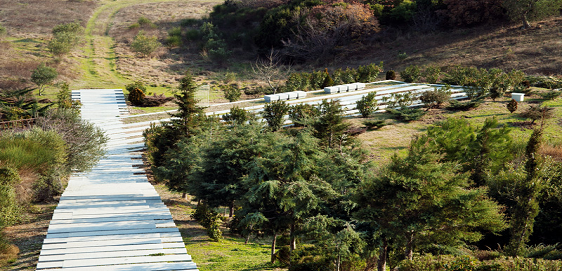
(271, 70)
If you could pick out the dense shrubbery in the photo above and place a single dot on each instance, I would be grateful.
(316, 80)
(145, 45)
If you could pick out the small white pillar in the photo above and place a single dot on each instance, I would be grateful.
(518, 97)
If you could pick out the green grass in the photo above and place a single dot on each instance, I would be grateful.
(229, 254)
(395, 138)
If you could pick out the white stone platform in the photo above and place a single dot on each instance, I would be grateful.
(112, 218)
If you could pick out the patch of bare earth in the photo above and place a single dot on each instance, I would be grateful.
(166, 65)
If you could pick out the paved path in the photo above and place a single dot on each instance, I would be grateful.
(112, 218)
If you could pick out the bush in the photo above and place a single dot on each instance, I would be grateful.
(375, 124)
(432, 74)
(210, 220)
(328, 81)
(406, 113)
(43, 152)
(145, 45)
(367, 105)
(411, 74)
(550, 95)
(173, 41)
(472, 12)
(512, 106)
(369, 73)
(84, 140)
(231, 92)
(236, 116)
(302, 114)
(537, 112)
(145, 22)
(136, 97)
(137, 84)
(435, 98)
(455, 105)
(317, 78)
(9, 207)
(274, 113)
(297, 81)
(390, 75)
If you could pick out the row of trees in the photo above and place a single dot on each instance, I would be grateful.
(313, 186)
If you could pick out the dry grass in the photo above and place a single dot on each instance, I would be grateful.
(168, 66)
(9, 255)
(555, 152)
(36, 18)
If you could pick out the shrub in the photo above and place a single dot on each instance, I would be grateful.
(145, 45)
(538, 112)
(210, 220)
(406, 113)
(84, 140)
(192, 34)
(274, 113)
(512, 106)
(411, 74)
(231, 92)
(297, 81)
(173, 41)
(455, 105)
(145, 22)
(375, 124)
(435, 98)
(136, 97)
(317, 78)
(236, 115)
(137, 84)
(390, 75)
(9, 207)
(369, 73)
(44, 152)
(432, 74)
(328, 81)
(550, 95)
(399, 99)
(302, 114)
(367, 105)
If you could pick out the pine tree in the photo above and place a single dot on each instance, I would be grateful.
(188, 116)
(419, 198)
(329, 127)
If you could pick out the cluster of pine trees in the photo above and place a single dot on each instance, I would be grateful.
(313, 192)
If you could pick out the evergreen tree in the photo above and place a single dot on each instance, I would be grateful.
(419, 198)
(188, 116)
(329, 127)
(274, 113)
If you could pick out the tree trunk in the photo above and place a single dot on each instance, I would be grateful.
(247, 239)
(231, 209)
(184, 196)
(273, 247)
(293, 244)
(382, 256)
(526, 24)
(409, 255)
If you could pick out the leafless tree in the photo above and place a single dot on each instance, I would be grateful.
(271, 71)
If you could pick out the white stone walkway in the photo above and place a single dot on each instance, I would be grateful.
(112, 218)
